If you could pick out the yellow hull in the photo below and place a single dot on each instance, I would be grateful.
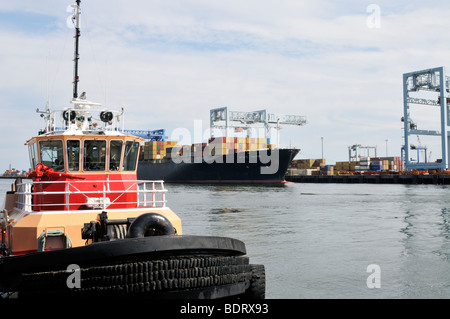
(27, 227)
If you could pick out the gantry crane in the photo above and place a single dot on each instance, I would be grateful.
(223, 119)
(355, 148)
(431, 88)
(156, 135)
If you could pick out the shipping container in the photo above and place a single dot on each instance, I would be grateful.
(327, 170)
(346, 166)
(307, 163)
(157, 149)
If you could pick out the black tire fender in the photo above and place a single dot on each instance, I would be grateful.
(150, 224)
(257, 289)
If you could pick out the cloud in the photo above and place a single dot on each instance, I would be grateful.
(170, 62)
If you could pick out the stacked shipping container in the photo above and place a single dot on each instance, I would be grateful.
(318, 167)
(157, 149)
(217, 146)
(198, 149)
(326, 170)
(347, 166)
(240, 144)
(392, 164)
(306, 167)
(227, 145)
(14, 172)
(308, 163)
(220, 145)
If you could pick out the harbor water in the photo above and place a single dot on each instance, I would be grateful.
(329, 240)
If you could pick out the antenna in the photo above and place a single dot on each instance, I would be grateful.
(76, 22)
(47, 85)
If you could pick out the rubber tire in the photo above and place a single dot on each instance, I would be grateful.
(152, 279)
(257, 289)
(150, 224)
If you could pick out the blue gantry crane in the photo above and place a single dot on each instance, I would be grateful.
(156, 135)
(428, 87)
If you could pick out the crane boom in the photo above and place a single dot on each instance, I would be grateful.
(223, 114)
(222, 118)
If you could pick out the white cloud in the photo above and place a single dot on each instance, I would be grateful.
(169, 62)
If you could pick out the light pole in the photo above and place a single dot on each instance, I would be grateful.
(387, 147)
(322, 146)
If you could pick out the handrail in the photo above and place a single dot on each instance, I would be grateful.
(26, 191)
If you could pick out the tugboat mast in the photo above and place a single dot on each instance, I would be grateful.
(76, 21)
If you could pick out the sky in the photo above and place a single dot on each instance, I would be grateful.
(338, 63)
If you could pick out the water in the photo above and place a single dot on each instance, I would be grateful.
(317, 240)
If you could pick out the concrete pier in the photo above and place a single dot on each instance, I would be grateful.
(437, 179)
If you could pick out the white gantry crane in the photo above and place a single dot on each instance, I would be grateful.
(429, 88)
(223, 119)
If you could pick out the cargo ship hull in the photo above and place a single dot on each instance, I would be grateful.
(249, 167)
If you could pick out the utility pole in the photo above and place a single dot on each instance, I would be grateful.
(322, 146)
(386, 147)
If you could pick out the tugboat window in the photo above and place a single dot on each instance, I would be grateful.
(131, 155)
(33, 154)
(94, 155)
(73, 155)
(52, 154)
(115, 153)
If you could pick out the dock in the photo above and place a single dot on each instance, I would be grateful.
(436, 179)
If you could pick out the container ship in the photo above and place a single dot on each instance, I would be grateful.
(221, 160)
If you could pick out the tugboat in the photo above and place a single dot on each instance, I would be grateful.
(82, 225)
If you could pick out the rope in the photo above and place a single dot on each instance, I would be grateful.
(53, 233)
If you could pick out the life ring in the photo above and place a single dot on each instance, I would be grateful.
(150, 224)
